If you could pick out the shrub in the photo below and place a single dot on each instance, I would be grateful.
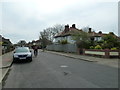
(114, 48)
(98, 47)
(83, 44)
(110, 41)
(64, 42)
(59, 41)
(91, 47)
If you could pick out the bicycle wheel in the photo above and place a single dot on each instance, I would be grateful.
(35, 53)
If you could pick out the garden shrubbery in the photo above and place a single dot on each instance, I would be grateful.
(91, 47)
(63, 42)
(108, 42)
(114, 48)
(98, 47)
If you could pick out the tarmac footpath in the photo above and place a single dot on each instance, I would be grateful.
(5, 64)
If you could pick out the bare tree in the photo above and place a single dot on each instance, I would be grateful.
(50, 32)
(85, 29)
(44, 39)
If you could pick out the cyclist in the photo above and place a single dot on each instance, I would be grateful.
(35, 48)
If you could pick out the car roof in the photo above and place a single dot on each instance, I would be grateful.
(22, 47)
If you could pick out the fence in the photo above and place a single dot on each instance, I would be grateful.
(63, 48)
(72, 48)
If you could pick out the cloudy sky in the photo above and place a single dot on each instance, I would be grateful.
(24, 19)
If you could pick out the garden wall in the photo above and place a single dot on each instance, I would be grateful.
(107, 53)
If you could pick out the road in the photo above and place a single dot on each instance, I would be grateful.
(49, 70)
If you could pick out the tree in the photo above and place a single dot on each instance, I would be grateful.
(50, 32)
(44, 39)
(85, 29)
(110, 41)
(81, 38)
(21, 43)
(47, 35)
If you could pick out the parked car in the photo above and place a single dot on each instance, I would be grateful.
(22, 54)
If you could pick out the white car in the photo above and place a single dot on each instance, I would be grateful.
(22, 54)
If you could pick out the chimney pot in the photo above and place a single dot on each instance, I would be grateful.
(90, 30)
(100, 32)
(73, 26)
(111, 33)
(66, 28)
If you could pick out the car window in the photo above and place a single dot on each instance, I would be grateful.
(22, 50)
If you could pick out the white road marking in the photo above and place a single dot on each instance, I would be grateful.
(63, 66)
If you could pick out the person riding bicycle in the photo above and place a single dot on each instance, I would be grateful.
(35, 48)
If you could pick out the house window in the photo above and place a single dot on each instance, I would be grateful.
(98, 38)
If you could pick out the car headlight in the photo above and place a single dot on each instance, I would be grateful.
(15, 55)
(29, 55)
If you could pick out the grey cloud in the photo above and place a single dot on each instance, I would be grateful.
(100, 16)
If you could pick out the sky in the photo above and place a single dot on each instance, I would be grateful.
(24, 19)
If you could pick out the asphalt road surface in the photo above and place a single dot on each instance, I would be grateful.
(48, 70)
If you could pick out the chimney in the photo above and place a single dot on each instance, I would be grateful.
(90, 30)
(73, 26)
(111, 33)
(66, 28)
(100, 32)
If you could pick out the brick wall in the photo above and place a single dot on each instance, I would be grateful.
(107, 53)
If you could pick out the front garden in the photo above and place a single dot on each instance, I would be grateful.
(109, 46)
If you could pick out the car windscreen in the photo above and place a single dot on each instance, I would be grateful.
(19, 50)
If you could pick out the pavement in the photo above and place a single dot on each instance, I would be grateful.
(6, 61)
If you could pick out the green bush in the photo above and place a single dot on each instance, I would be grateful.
(64, 42)
(114, 48)
(110, 41)
(91, 47)
(83, 44)
(98, 47)
(59, 41)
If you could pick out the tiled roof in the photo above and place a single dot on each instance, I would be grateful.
(6, 41)
(70, 32)
(97, 34)
(73, 30)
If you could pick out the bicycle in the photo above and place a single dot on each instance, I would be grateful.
(35, 53)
